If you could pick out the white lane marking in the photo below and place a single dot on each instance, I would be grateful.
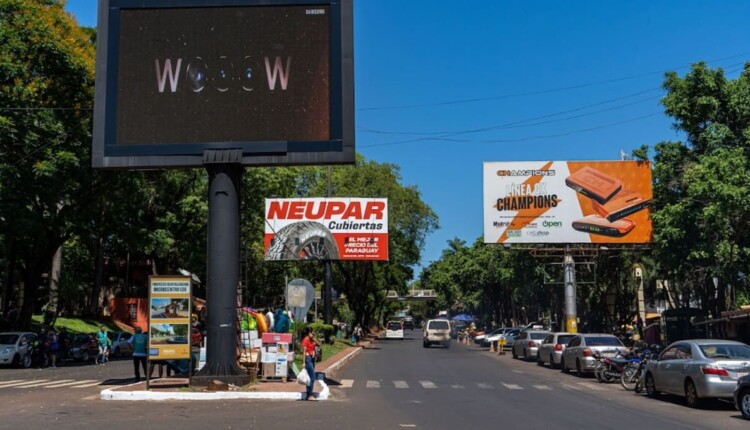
(400, 384)
(542, 387)
(88, 385)
(10, 382)
(484, 386)
(458, 386)
(347, 383)
(512, 386)
(590, 386)
(428, 384)
(571, 387)
(517, 371)
(24, 383)
(413, 426)
(85, 381)
(373, 384)
(41, 384)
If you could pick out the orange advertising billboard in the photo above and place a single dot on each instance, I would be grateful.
(326, 229)
(567, 202)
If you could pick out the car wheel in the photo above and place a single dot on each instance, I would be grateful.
(85, 356)
(563, 367)
(426, 344)
(539, 361)
(26, 361)
(552, 364)
(651, 387)
(513, 353)
(525, 355)
(116, 352)
(691, 395)
(16, 360)
(579, 372)
(744, 403)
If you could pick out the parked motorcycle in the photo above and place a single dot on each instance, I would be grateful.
(631, 374)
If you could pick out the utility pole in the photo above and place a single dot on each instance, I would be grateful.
(571, 324)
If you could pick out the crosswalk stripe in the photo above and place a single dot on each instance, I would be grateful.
(512, 386)
(24, 383)
(41, 384)
(458, 386)
(484, 386)
(427, 384)
(542, 387)
(400, 384)
(87, 385)
(65, 384)
(10, 382)
(373, 384)
(347, 383)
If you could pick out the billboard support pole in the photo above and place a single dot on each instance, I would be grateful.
(327, 293)
(571, 317)
(224, 172)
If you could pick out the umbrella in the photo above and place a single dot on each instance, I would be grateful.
(463, 317)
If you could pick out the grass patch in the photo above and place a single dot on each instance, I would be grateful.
(76, 325)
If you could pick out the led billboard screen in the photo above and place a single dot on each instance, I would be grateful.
(175, 78)
(326, 229)
(567, 202)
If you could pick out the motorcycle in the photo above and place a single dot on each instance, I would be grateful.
(631, 374)
(612, 367)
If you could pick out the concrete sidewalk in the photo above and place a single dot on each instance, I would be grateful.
(177, 388)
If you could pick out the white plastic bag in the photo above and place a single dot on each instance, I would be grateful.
(303, 378)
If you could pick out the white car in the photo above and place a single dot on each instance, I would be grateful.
(394, 330)
(580, 352)
(552, 348)
(15, 348)
(120, 343)
(527, 344)
(437, 331)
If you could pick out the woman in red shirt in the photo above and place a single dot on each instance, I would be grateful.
(308, 347)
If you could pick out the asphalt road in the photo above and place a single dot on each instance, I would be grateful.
(391, 385)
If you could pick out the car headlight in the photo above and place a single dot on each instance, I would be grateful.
(7, 350)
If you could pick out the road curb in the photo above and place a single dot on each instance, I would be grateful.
(140, 395)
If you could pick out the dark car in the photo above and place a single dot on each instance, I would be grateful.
(83, 347)
(409, 323)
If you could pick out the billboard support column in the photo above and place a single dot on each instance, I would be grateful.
(327, 294)
(571, 317)
(224, 172)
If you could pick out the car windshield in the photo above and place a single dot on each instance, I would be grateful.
(538, 336)
(603, 341)
(8, 339)
(726, 351)
(565, 339)
(439, 325)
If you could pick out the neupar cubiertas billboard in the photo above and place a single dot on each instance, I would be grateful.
(169, 317)
(327, 229)
(567, 202)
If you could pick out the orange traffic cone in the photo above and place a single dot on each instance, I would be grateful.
(492, 346)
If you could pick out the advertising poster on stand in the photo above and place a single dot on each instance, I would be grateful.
(567, 202)
(326, 229)
(169, 317)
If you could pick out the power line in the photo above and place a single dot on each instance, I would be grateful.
(545, 91)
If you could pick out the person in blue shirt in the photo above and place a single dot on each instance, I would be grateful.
(103, 341)
(139, 342)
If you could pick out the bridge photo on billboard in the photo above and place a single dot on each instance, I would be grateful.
(540, 202)
(273, 81)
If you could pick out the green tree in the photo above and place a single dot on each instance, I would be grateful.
(701, 193)
(47, 75)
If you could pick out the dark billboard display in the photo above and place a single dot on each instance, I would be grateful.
(175, 78)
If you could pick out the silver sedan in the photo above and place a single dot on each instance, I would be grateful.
(580, 351)
(698, 369)
(552, 348)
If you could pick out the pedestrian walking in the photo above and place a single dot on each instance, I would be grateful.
(308, 346)
(54, 347)
(139, 342)
(102, 339)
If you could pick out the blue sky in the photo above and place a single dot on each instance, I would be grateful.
(443, 86)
